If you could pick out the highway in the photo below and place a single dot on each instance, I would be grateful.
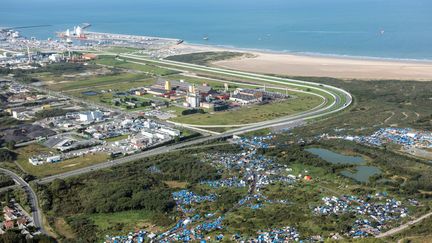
(340, 100)
(32, 198)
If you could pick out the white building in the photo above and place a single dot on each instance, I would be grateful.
(193, 97)
(90, 116)
(53, 159)
(35, 161)
(147, 134)
(149, 124)
(170, 131)
(55, 57)
(162, 136)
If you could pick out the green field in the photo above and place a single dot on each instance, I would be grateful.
(148, 68)
(121, 223)
(98, 80)
(121, 49)
(253, 113)
(205, 58)
(118, 138)
(50, 169)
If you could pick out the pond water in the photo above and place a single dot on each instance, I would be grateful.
(89, 93)
(336, 158)
(361, 173)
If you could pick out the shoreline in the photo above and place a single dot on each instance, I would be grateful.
(307, 64)
(305, 53)
(315, 65)
(267, 50)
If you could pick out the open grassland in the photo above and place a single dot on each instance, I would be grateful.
(205, 58)
(121, 49)
(121, 223)
(253, 113)
(118, 138)
(378, 104)
(25, 153)
(112, 79)
(109, 89)
(147, 68)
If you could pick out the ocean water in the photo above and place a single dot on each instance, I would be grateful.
(400, 29)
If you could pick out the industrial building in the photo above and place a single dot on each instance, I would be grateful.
(250, 96)
(163, 86)
(91, 116)
(193, 97)
(247, 96)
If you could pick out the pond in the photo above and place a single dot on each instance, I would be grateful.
(89, 93)
(336, 158)
(361, 173)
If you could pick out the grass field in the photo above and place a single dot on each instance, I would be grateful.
(253, 113)
(113, 79)
(121, 49)
(121, 222)
(204, 58)
(120, 85)
(148, 68)
(378, 104)
(50, 169)
(118, 138)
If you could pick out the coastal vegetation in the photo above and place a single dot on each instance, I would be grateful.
(206, 58)
(380, 103)
(123, 64)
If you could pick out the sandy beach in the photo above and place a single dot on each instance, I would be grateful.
(319, 66)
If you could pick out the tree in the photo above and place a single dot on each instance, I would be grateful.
(7, 155)
(10, 145)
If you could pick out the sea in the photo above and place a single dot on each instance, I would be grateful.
(388, 29)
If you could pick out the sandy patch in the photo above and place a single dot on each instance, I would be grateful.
(318, 66)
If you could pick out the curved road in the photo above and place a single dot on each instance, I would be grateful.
(32, 197)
